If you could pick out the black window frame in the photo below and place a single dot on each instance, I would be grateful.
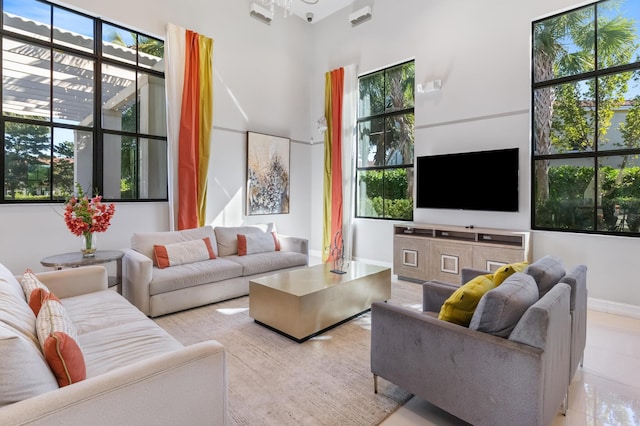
(596, 153)
(96, 129)
(384, 115)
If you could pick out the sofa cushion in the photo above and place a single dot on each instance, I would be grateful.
(546, 272)
(25, 373)
(260, 263)
(11, 281)
(501, 308)
(143, 242)
(227, 236)
(15, 313)
(505, 271)
(459, 307)
(128, 337)
(260, 242)
(182, 253)
(193, 274)
(59, 341)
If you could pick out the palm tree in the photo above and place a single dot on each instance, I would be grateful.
(552, 58)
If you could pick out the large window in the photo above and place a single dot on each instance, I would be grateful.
(586, 119)
(384, 163)
(83, 101)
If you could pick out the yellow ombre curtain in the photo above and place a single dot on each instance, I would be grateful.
(189, 121)
(332, 204)
(341, 100)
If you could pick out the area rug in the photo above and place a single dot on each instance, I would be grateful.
(273, 380)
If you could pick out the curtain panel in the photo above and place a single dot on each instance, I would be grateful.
(339, 144)
(189, 121)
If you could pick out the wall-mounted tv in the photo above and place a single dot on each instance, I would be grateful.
(480, 180)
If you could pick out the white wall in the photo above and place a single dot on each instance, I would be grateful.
(271, 79)
(481, 52)
(260, 84)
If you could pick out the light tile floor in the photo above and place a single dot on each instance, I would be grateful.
(604, 392)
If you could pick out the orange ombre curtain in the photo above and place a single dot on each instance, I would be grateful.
(332, 207)
(195, 131)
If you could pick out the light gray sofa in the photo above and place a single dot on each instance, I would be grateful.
(158, 291)
(137, 374)
(475, 375)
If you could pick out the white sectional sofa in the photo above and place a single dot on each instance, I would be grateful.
(136, 373)
(158, 291)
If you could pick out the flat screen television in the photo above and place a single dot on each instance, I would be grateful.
(480, 180)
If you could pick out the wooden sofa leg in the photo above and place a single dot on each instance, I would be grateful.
(375, 383)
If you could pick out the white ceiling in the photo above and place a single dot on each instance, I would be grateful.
(320, 10)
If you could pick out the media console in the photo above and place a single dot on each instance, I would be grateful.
(424, 252)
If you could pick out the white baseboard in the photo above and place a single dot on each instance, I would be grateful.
(615, 308)
(316, 255)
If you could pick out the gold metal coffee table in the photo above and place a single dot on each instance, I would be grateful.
(303, 303)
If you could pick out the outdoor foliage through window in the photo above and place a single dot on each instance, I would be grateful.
(586, 119)
(384, 168)
(82, 101)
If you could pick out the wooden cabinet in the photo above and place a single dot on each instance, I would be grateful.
(424, 252)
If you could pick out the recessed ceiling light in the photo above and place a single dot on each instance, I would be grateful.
(310, 1)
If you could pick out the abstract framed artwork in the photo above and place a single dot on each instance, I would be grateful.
(267, 174)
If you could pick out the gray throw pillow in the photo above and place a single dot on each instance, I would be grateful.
(546, 271)
(500, 309)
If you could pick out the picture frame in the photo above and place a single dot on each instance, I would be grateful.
(268, 174)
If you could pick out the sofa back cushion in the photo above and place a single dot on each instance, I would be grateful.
(227, 236)
(533, 327)
(25, 373)
(143, 242)
(500, 309)
(546, 271)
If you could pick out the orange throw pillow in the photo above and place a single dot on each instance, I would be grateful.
(58, 338)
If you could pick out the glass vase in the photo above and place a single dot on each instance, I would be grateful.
(88, 247)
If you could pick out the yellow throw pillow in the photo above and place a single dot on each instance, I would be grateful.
(459, 307)
(506, 271)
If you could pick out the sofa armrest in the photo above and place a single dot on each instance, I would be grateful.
(188, 385)
(137, 273)
(75, 281)
(467, 274)
(434, 293)
(300, 245)
(445, 363)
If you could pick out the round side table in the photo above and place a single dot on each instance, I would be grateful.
(75, 259)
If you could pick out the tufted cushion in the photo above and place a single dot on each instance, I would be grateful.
(505, 271)
(459, 307)
(546, 272)
(500, 309)
(183, 253)
(58, 339)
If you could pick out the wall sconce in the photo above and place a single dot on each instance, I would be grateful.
(429, 86)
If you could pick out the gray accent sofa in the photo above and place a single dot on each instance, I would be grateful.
(477, 376)
(137, 374)
(158, 291)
